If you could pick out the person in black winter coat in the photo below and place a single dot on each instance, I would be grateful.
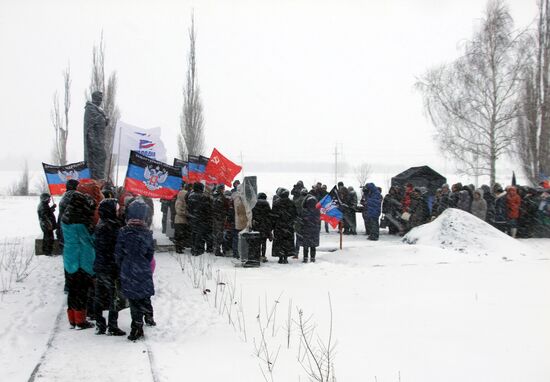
(391, 208)
(296, 189)
(261, 222)
(311, 218)
(453, 196)
(220, 209)
(419, 210)
(105, 267)
(443, 201)
(71, 186)
(134, 252)
(298, 203)
(528, 212)
(199, 212)
(284, 216)
(46, 218)
(490, 199)
(501, 211)
(164, 208)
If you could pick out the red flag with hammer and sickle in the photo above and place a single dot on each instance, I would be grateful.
(221, 168)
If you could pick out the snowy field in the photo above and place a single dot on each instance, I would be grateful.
(474, 307)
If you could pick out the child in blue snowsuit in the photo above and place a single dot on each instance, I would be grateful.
(134, 252)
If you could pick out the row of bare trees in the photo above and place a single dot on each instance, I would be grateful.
(493, 100)
(191, 136)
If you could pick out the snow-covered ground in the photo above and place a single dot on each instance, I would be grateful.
(401, 312)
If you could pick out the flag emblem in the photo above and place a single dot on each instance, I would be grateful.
(66, 175)
(155, 177)
(145, 144)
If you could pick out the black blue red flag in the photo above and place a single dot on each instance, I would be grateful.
(57, 176)
(330, 207)
(197, 168)
(184, 166)
(149, 177)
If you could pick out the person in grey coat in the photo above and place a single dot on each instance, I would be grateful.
(464, 199)
(479, 205)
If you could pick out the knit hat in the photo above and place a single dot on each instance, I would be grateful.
(137, 210)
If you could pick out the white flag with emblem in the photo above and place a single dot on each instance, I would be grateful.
(147, 142)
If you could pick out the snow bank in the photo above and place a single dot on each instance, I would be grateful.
(463, 232)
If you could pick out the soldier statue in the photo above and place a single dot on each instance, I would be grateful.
(95, 133)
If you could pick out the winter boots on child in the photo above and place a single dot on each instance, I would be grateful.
(77, 319)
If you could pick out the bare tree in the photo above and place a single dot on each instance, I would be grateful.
(109, 90)
(191, 137)
(473, 101)
(21, 186)
(533, 129)
(60, 121)
(362, 173)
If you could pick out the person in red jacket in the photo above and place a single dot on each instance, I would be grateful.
(513, 203)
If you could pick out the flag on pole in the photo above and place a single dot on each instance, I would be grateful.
(221, 169)
(152, 178)
(57, 176)
(146, 142)
(196, 168)
(184, 166)
(330, 208)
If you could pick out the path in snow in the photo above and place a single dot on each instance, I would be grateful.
(188, 338)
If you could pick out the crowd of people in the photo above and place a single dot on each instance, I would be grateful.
(519, 211)
(108, 247)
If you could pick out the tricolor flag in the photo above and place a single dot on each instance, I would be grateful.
(330, 208)
(196, 168)
(184, 166)
(57, 176)
(149, 177)
(221, 169)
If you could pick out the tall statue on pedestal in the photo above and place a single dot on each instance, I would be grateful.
(95, 133)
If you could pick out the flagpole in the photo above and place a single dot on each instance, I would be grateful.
(118, 155)
(340, 229)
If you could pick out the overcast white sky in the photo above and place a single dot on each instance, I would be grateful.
(281, 80)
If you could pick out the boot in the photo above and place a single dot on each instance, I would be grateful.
(101, 325)
(137, 331)
(116, 331)
(80, 319)
(149, 321)
(71, 317)
(305, 255)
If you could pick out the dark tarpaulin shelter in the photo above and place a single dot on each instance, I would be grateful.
(422, 176)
